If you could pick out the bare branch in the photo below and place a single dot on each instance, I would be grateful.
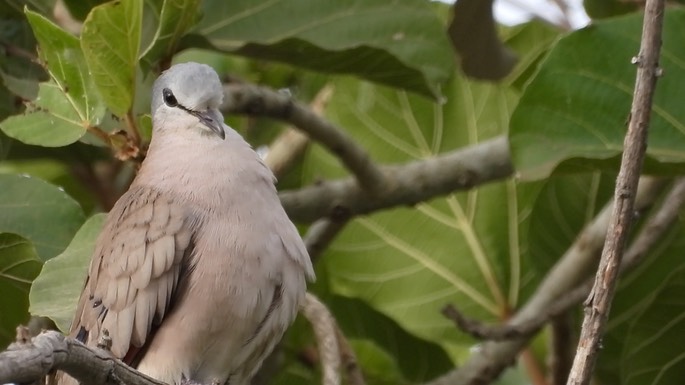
(292, 143)
(407, 184)
(650, 234)
(561, 342)
(262, 101)
(655, 228)
(321, 233)
(325, 330)
(285, 150)
(349, 361)
(599, 302)
(27, 361)
(373, 188)
(561, 286)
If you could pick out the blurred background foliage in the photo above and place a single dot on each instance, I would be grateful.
(410, 80)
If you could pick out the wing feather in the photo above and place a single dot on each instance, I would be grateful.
(135, 269)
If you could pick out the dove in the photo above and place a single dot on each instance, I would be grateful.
(198, 271)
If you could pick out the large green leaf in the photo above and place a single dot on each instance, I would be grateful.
(110, 40)
(401, 44)
(465, 248)
(574, 112)
(651, 354)
(55, 292)
(416, 359)
(563, 207)
(638, 293)
(49, 121)
(19, 265)
(62, 54)
(56, 173)
(66, 105)
(39, 212)
(173, 20)
(565, 204)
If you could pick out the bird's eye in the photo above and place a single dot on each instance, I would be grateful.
(169, 98)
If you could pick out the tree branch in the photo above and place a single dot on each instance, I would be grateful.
(408, 184)
(26, 361)
(560, 283)
(262, 101)
(320, 234)
(598, 304)
(325, 328)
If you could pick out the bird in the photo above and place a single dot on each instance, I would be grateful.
(198, 271)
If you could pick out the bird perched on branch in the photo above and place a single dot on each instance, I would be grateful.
(198, 271)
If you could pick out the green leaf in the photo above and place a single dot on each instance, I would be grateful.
(58, 173)
(174, 20)
(639, 292)
(531, 42)
(417, 360)
(55, 292)
(25, 88)
(599, 9)
(379, 367)
(62, 54)
(408, 263)
(573, 114)
(5, 142)
(651, 355)
(50, 121)
(110, 40)
(39, 212)
(19, 265)
(401, 44)
(564, 205)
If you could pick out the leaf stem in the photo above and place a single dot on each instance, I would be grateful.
(102, 135)
(132, 127)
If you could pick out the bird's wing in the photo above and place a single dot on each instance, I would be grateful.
(142, 253)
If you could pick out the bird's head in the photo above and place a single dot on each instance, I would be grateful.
(186, 97)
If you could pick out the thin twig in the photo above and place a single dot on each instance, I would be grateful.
(561, 342)
(262, 101)
(599, 302)
(494, 357)
(650, 234)
(16, 51)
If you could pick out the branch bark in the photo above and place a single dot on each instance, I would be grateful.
(26, 361)
(408, 184)
(598, 304)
